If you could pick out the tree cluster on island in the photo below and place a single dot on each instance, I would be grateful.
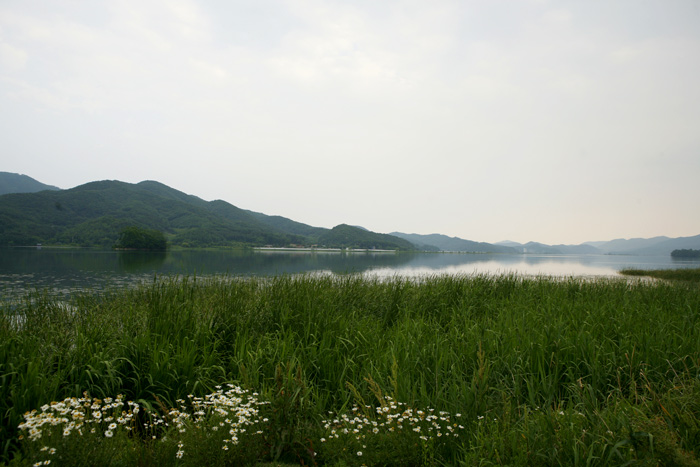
(136, 238)
(685, 253)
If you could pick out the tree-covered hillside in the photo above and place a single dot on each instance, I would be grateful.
(346, 236)
(94, 214)
(18, 183)
(288, 225)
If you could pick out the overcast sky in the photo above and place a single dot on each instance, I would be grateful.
(552, 121)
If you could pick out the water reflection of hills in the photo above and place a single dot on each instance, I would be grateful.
(66, 269)
(279, 262)
(463, 260)
(233, 262)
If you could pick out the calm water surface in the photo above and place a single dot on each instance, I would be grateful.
(66, 270)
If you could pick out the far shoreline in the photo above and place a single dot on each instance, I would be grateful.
(324, 250)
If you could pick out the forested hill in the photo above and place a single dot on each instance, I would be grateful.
(18, 183)
(347, 236)
(288, 225)
(95, 213)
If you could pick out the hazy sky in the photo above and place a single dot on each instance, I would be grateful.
(552, 121)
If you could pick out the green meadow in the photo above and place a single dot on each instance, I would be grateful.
(350, 370)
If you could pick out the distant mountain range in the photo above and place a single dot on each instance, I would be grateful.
(634, 246)
(620, 246)
(439, 242)
(93, 214)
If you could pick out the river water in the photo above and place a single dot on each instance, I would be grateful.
(66, 270)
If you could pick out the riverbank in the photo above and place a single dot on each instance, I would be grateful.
(525, 370)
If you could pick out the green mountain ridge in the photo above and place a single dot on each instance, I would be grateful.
(93, 214)
(347, 236)
(18, 183)
(288, 225)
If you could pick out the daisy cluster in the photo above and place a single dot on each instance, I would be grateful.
(78, 415)
(232, 411)
(392, 417)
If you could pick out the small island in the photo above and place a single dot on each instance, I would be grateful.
(685, 253)
(136, 238)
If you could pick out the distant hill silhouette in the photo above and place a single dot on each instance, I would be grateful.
(627, 246)
(18, 183)
(665, 247)
(634, 246)
(543, 249)
(445, 243)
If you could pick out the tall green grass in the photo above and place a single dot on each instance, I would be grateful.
(687, 275)
(541, 371)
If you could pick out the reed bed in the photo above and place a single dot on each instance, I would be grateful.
(445, 370)
(691, 275)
